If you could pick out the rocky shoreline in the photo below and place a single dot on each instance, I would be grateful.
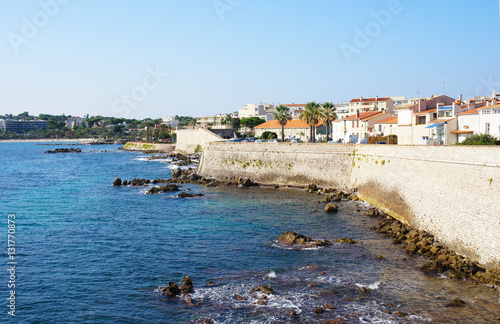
(439, 258)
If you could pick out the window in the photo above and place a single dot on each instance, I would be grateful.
(487, 128)
(420, 120)
(497, 111)
(487, 112)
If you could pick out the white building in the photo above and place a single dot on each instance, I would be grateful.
(261, 110)
(170, 121)
(74, 122)
(371, 104)
(489, 120)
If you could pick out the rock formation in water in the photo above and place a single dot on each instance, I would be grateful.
(65, 150)
(297, 240)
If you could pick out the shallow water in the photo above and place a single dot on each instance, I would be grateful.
(91, 252)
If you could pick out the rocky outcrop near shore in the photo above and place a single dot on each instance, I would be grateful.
(178, 158)
(65, 150)
(300, 241)
(441, 259)
(173, 290)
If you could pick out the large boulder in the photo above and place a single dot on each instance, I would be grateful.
(245, 182)
(187, 285)
(172, 290)
(331, 208)
(117, 182)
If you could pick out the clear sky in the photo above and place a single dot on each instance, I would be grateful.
(155, 58)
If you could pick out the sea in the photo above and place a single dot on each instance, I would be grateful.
(83, 251)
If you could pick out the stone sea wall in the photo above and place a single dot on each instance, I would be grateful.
(452, 192)
(138, 146)
(189, 139)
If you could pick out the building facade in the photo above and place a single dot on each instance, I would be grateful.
(261, 110)
(21, 126)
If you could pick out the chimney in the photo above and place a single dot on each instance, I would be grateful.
(472, 104)
(460, 98)
(376, 97)
(361, 98)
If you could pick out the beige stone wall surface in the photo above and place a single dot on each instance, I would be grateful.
(189, 139)
(453, 192)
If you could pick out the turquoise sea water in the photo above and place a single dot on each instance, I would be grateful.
(88, 252)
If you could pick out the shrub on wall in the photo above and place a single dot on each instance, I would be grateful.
(479, 139)
(391, 139)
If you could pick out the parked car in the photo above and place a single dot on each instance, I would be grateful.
(273, 141)
(258, 141)
(363, 141)
(381, 142)
(293, 141)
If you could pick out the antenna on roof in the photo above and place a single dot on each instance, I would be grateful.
(444, 86)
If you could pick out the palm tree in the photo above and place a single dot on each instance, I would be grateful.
(310, 115)
(328, 114)
(282, 115)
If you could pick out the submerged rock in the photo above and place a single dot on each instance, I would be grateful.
(166, 188)
(318, 310)
(239, 297)
(65, 150)
(331, 208)
(264, 289)
(293, 239)
(345, 240)
(189, 195)
(457, 302)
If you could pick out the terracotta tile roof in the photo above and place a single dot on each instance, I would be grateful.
(365, 115)
(462, 132)
(426, 111)
(390, 120)
(295, 105)
(469, 112)
(489, 107)
(294, 123)
(370, 99)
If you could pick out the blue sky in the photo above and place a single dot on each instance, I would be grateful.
(139, 59)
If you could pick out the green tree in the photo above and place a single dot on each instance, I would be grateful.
(479, 139)
(282, 115)
(236, 122)
(310, 115)
(251, 122)
(328, 114)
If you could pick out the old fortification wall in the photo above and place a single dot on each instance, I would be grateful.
(189, 139)
(452, 192)
(138, 146)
